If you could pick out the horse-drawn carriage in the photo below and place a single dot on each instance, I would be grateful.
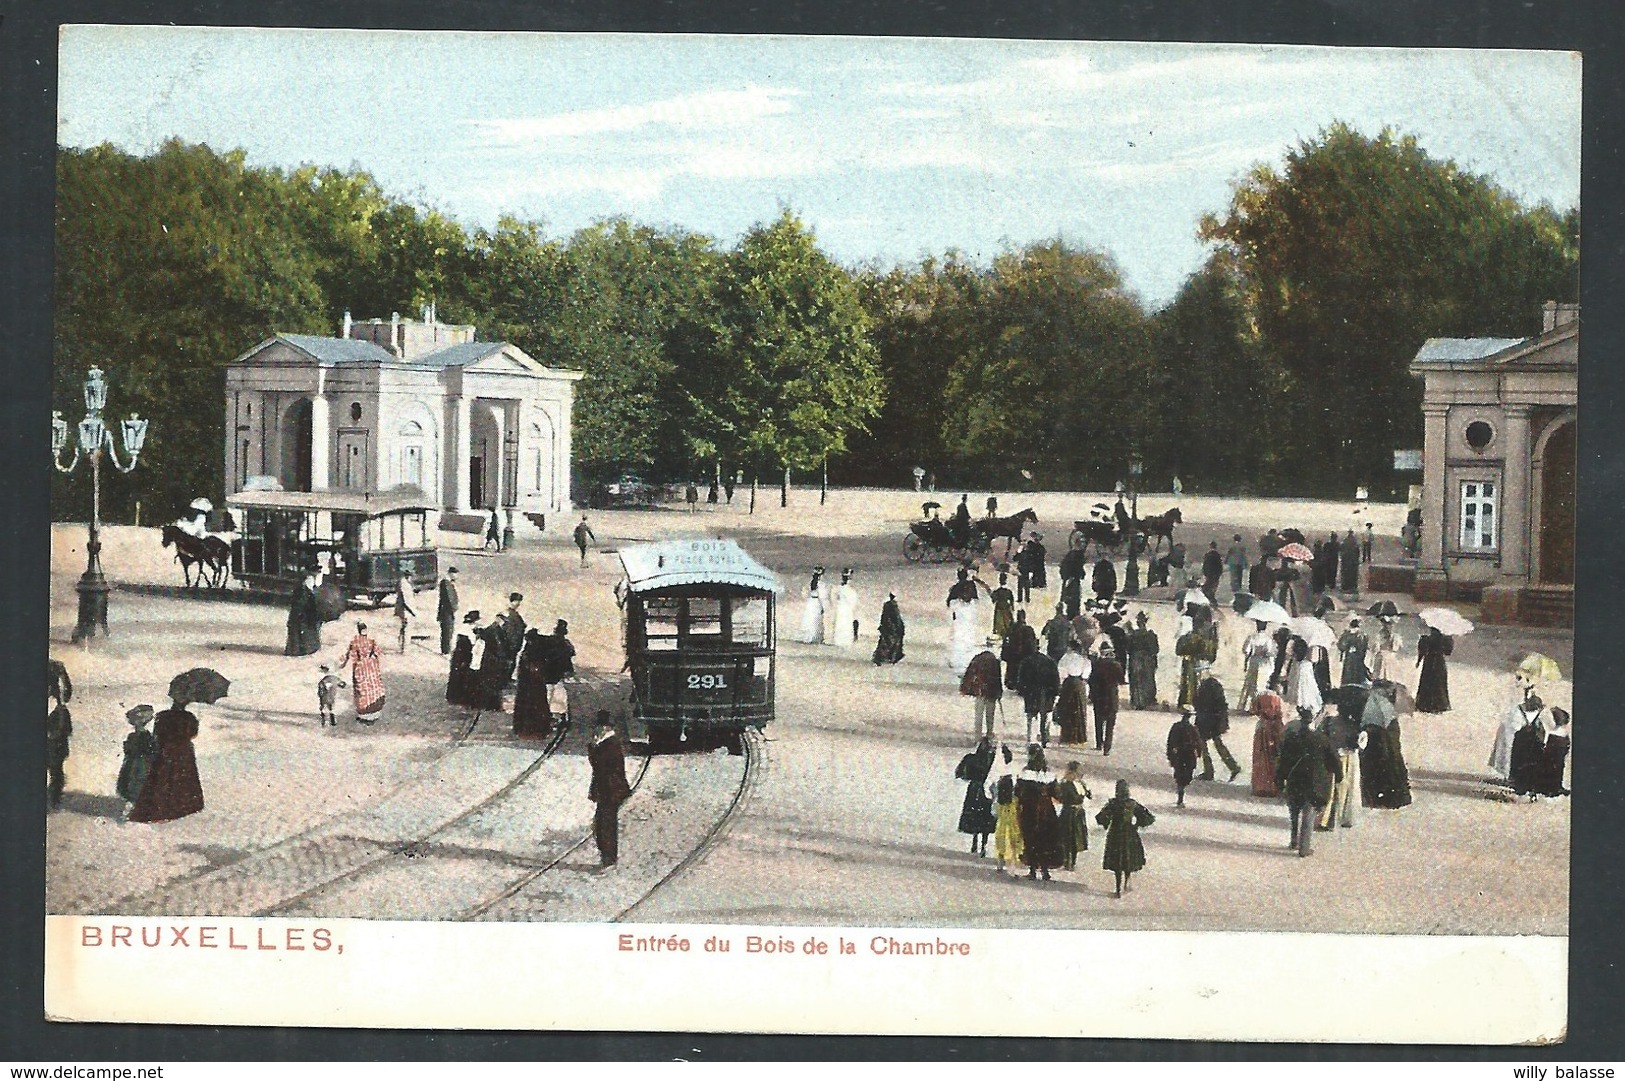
(936, 541)
(1107, 532)
(365, 542)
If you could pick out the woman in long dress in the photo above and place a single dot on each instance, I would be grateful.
(1071, 793)
(1554, 756)
(964, 624)
(1384, 780)
(1257, 652)
(1267, 736)
(1071, 709)
(1004, 606)
(1124, 852)
(1302, 688)
(1433, 687)
(366, 676)
(1007, 827)
(812, 611)
(889, 647)
(1385, 650)
(1527, 710)
(976, 813)
(465, 650)
(531, 716)
(1353, 645)
(1035, 808)
(1143, 648)
(846, 611)
(173, 789)
(141, 750)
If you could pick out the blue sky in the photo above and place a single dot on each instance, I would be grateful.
(891, 149)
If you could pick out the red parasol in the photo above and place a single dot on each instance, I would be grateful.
(1297, 552)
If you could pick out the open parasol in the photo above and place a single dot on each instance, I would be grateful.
(1313, 631)
(1267, 612)
(199, 685)
(1191, 596)
(1383, 608)
(1295, 551)
(1446, 621)
(1539, 667)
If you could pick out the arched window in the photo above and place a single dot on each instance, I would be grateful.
(411, 444)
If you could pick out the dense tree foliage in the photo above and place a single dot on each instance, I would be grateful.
(1280, 366)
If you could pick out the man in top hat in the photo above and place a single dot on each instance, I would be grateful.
(511, 629)
(608, 790)
(445, 612)
(1105, 676)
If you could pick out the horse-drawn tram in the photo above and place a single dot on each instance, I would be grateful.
(699, 626)
(367, 542)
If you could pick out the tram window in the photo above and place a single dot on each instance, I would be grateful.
(660, 622)
(750, 621)
(705, 617)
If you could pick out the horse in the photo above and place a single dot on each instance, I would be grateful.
(209, 554)
(1160, 527)
(1010, 528)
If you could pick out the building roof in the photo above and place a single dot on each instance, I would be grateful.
(338, 350)
(1457, 350)
(456, 356)
(694, 562)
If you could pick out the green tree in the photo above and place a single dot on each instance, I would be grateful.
(791, 371)
(1356, 252)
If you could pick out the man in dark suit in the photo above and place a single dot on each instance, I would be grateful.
(446, 610)
(609, 789)
(1306, 768)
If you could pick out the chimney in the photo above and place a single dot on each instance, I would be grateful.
(395, 333)
(345, 333)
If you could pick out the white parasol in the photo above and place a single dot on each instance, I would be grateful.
(1267, 612)
(1313, 631)
(1446, 620)
(203, 505)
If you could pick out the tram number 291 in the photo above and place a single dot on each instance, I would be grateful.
(708, 681)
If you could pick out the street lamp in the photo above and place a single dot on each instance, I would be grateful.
(1131, 584)
(94, 439)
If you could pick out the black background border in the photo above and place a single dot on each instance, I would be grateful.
(27, 107)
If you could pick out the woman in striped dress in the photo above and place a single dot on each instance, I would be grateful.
(366, 676)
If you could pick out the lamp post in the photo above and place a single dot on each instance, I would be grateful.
(94, 439)
(1131, 583)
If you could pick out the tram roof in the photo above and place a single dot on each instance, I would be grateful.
(343, 502)
(694, 562)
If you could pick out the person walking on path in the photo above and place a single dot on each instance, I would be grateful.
(1212, 722)
(1212, 571)
(445, 610)
(173, 789)
(1343, 732)
(462, 681)
(1057, 634)
(510, 627)
(691, 496)
(964, 622)
(976, 813)
(1105, 676)
(140, 752)
(1367, 540)
(981, 681)
(1433, 687)
(1038, 681)
(58, 734)
(607, 790)
(1072, 569)
(327, 698)
(1124, 852)
(493, 532)
(1004, 606)
(1267, 735)
(1072, 708)
(531, 717)
(302, 615)
(1307, 770)
(1385, 781)
(1035, 808)
(1104, 579)
(404, 613)
(1348, 566)
(889, 646)
(1071, 794)
(812, 609)
(1143, 650)
(1021, 641)
(366, 676)
(583, 535)
(1256, 654)
(1384, 654)
(1261, 579)
(1183, 748)
(558, 665)
(1030, 573)
(1197, 648)
(846, 611)
(1235, 560)
(1007, 825)
(1352, 646)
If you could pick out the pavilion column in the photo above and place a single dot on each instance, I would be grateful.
(499, 493)
(1434, 525)
(320, 437)
(459, 452)
(1514, 498)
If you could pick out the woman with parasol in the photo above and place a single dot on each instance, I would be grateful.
(1384, 779)
(812, 612)
(1433, 687)
(366, 676)
(1528, 710)
(1386, 642)
(173, 789)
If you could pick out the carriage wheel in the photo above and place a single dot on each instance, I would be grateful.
(913, 548)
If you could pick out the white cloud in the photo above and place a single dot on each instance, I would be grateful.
(702, 110)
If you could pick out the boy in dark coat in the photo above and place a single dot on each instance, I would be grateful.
(1212, 722)
(58, 730)
(1039, 682)
(1184, 747)
(608, 790)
